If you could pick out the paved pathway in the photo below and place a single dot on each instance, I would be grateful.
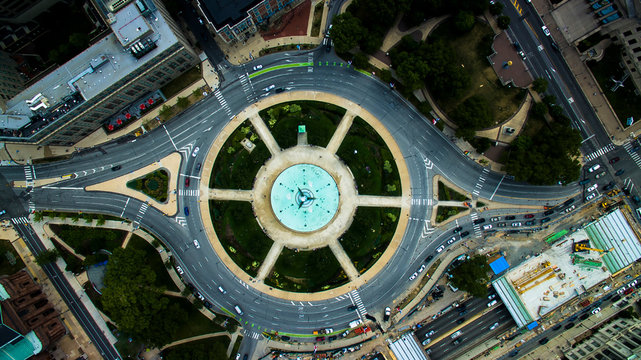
(343, 259)
(195, 338)
(341, 130)
(264, 133)
(379, 201)
(270, 260)
(231, 194)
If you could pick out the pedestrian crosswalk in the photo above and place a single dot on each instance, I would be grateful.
(628, 147)
(602, 151)
(32, 207)
(20, 220)
(223, 102)
(29, 175)
(427, 202)
(141, 214)
(480, 182)
(194, 192)
(247, 86)
(252, 334)
(477, 227)
(356, 299)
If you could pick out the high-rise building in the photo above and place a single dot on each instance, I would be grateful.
(619, 339)
(238, 20)
(144, 51)
(11, 82)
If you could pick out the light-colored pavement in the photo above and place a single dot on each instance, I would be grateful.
(170, 163)
(340, 132)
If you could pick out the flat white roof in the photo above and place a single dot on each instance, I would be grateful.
(407, 348)
(613, 231)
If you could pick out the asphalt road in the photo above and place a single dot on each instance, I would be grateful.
(426, 150)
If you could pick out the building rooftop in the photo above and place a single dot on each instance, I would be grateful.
(223, 13)
(407, 348)
(98, 67)
(613, 231)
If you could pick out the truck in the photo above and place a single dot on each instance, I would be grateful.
(362, 330)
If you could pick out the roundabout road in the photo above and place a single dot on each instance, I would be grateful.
(427, 152)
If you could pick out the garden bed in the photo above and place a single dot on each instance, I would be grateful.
(154, 184)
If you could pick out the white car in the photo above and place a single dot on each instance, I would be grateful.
(546, 31)
(195, 152)
(451, 241)
(413, 276)
(420, 270)
(595, 311)
(516, 224)
(258, 67)
(494, 326)
(594, 168)
(487, 227)
(593, 187)
(440, 248)
(590, 197)
(491, 297)
(602, 173)
(223, 291)
(491, 303)
(522, 55)
(426, 341)
(196, 244)
(179, 270)
(496, 218)
(269, 87)
(2, 212)
(430, 333)
(570, 209)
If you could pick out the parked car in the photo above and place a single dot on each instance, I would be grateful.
(516, 224)
(529, 223)
(614, 160)
(413, 276)
(429, 257)
(619, 172)
(464, 234)
(491, 303)
(179, 270)
(451, 241)
(510, 217)
(601, 174)
(440, 248)
(594, 168)
(496, 218)
(196, 244)
(590, 197)
(494, 326)
(388, 312)
(501, 224)
(544, 341)
(487, 227)
(420, 270)
(592, 188)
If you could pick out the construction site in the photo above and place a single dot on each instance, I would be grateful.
(576, 262)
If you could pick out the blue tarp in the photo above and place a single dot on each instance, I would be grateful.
(499, 265)
(532, 325)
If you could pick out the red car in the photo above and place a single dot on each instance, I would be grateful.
(186, 182)
(529, 216)
(320, 338)
(614, 160)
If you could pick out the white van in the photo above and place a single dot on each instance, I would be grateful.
(238, 309)
(355, 323)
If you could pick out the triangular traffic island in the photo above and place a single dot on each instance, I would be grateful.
(154, 184)
(151, 184)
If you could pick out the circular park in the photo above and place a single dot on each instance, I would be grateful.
(305, 196)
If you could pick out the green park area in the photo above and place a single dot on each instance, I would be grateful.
(446, 193)
(155, 185)
(370, 160)
(235, 167)
(87, 241)
(306, 271)
(240, 234)
(445, 212)
(624, 101)
(320, 120)
(484, 102)
(10, 261)
(367, 238)
(163, 280)
(207, 349)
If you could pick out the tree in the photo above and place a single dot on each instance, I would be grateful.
(347, 32)
(75, 217)
(360, 61)
(539, 109)
(164, 110)
(182, 102)
(37, 216)
(540, 85)
(474, 113)
(47, 257)
(139, 310)
(464, 21)
(101, 220)
(199, 350)
(503, 22)
(472, 276)
(79, 40)
(496, 8)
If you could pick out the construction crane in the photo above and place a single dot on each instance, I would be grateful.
(584, 247)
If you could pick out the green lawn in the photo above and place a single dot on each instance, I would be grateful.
(446, 193)
(624, 101)
(87, 240)
(153, 259)
(155, 184)
(369, 159)
(195, 323)
(10, 261)
(445, 212)
(206, 349)
(235, 167)
(504, 101)
(370, 233)
(178, 84)
(320, 120)
(306, 271)
(240, 234)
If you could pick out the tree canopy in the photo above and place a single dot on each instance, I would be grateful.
(472, 276)
(139, 310)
